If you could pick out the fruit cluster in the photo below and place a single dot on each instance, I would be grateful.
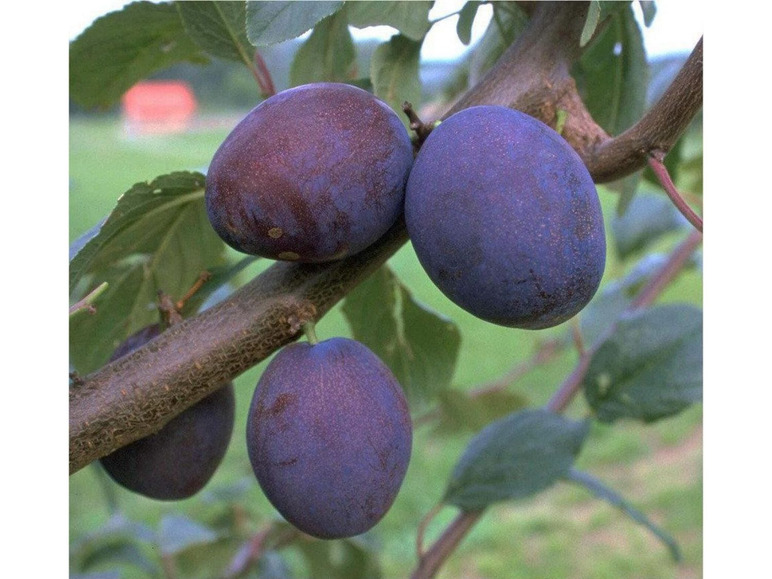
(502, 214)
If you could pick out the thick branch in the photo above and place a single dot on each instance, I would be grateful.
(658, 130)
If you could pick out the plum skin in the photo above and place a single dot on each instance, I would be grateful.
(505, 218)
(312, 174)
(329, 437)
(177, 461)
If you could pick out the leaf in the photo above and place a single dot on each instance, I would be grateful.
(350, 558)
(219, 28)
(394, 73)
(125, 306)
(649, 217)
(515, 457)
(166, 218)
(602, 491)
(461, 411)
(115, 540)
(410, 18)
(612, 74)
(465, 21)
(591, 24)
(124, 47)
(507, 23)
(649, 9)
(327, 55)
(212, 291)
(158, 237)
(418, 345)
(177, 533)
(615, 297)
(650, 367)
(272, 22)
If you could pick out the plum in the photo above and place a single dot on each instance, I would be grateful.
(505, 218)
(178, 460)
(312, 174)
(329, 437)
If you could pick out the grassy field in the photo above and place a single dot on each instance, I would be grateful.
(562, 532)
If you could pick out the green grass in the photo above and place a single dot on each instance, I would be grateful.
(562, 532)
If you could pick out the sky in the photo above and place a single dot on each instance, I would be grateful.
(676, 28)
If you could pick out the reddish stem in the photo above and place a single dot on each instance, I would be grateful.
(263, 76)
(433, 559)
(656, 162)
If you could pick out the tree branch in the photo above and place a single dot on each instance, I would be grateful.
(136, 395)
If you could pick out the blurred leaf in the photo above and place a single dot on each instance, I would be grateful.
(650, 367)
(649, 9)
(350, 558)
(461, 411)
(118, 538)
(124, 47)
(273, 566)
(418, 345)
(591, 24)
(228, 493)
(219, 28)
(648, 218)
(97, 575)
(410, 18)
(327, 55)
(507, 23)
(273, 22)
(602, 491)
(612, 73)
(394, 73)
(615, 297)
(627, 188)
(515, 457)
(465, 21)
(177, 533)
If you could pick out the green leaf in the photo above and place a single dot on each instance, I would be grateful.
(466, 20)
(410, 18)
(507, 24)
(117, 540)
(461, 411)
(515, 457)
(178, 533)
(418, 345)
(124, 47)
(213, 289)
(124, 307)
(352, 558)
(327, 55)
(394, 72)
(612, 74)
(615, 297)
(591, 24)
(165, 218)
(219, 28)
(158, 237)
(272, 22)
(649, 9)
(649, 217)
(650, 367)
(602, 491)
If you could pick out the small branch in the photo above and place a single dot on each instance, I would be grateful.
(658, 130)
(420, 128)
(248, 554)
(87, 303)
(658, 166)
(433, 559)
(419, 540)
(203, 277)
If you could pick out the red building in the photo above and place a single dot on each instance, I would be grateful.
(166, 106)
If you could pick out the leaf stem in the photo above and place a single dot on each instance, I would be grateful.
(658, 166)
(433, 559)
